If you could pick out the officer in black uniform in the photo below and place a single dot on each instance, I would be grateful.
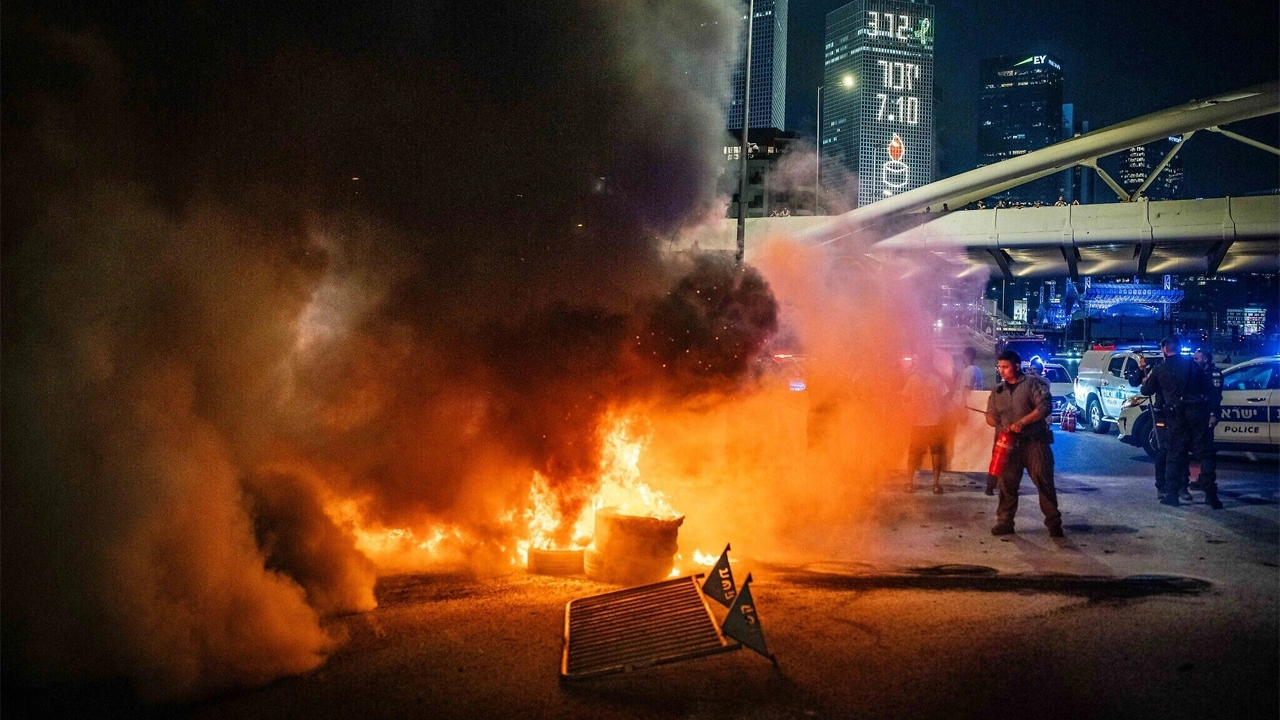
(1159, 419)
(1204, 358)
(1187, 394)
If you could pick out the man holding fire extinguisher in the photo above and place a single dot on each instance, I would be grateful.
(1019, 409)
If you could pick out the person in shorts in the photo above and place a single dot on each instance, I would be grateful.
(925, 397)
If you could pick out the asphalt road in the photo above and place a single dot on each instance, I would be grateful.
(917, 613)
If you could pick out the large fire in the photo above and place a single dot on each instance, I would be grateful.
(620, 487)
(402, 548)
(538, 522)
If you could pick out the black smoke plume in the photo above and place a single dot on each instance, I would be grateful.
(260, 264)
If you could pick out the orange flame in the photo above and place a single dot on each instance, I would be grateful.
(620, 487)
(535, 525)
(541, 519)
(704, 559)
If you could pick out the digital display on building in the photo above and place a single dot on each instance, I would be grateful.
(1250, 321)
(883, 126)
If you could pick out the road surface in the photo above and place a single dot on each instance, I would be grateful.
(921, 614)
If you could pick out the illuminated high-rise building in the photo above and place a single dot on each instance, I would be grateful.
(1020, 110)
(877, 100)
(1137, 162)
(1134, 167)
(1169, 184)
(768, 67)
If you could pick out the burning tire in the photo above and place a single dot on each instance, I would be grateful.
(555, 562)
(631, 550)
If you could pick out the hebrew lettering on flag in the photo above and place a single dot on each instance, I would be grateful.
(743, 622)
(719, 585)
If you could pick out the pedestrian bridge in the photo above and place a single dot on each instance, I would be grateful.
(1217, 235)
(1130, 237)
(1183, 237)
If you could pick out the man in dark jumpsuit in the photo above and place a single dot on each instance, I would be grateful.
(1189, 417)
(1021, 404)
(1161, 429)
(1204, 358)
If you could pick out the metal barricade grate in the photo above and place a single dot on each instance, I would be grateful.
(639, 627)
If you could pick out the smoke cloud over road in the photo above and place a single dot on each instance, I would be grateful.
(295, 298)
(271, 277)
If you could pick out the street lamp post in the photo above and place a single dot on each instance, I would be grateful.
(817, 159)
(746, 122)
(847, 82)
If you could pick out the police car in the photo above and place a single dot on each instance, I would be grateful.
(1250, 419)
(1061, 386)
(1104, 381)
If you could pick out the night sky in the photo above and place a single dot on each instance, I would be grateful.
(1119, 60)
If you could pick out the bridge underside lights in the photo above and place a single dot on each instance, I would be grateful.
(1220, 235)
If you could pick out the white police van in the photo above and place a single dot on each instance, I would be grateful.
(1103, 387)
(1250, 419)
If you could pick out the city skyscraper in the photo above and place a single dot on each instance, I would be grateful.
(1020, 110)
(1169, 184)
(1077, 182)
(1134, 166)
(877, 99)
(1137, 162)
(768, 67)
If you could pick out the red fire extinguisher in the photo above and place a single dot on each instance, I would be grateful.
(1000, 453)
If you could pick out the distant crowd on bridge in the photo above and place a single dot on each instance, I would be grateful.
(1003, 205)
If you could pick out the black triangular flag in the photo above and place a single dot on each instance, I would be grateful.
(743, 624)
(719, 584)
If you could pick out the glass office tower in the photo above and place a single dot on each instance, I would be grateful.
(877, 100)
(768, 67)
(1020, 110)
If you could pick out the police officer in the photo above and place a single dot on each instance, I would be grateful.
(1159, 417)
(1189, 418)
(1204, 358)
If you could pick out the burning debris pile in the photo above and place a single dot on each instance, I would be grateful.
(631, 549)
(626, 533)
(556, 562)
